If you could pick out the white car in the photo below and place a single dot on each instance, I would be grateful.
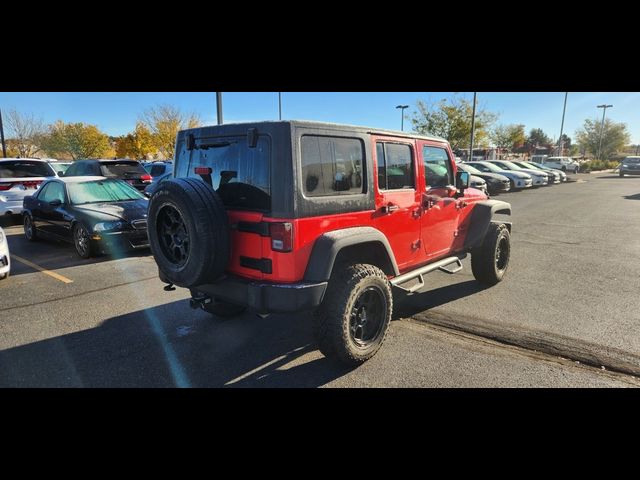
(539, 177)
(5, 262)
(566, 164)
(19, 178)
(519, 180)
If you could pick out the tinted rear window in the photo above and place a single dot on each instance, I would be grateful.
(122, 169)
(25, 168)
(240, 175)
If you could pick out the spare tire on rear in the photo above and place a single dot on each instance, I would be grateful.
(189, 232)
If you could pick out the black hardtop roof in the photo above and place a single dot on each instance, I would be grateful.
(321, 125)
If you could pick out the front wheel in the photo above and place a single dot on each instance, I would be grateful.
(29, 229)
(621, 174)
(352, 322)
(490, 261)
(82, 241)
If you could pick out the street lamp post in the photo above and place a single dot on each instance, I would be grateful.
(402, 107)
(473, 126)
(4, 147)
(564, 109)
(219, 106)
(604, 111)
(280, 105)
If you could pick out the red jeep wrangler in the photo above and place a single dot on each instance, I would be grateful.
(291, 216)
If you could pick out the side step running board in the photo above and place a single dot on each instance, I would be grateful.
(418, 274)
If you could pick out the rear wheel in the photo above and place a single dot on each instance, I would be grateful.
(490, 261)
(352, 322)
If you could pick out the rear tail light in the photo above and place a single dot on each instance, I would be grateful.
(5, 186)
(281, 236)
(146, 178)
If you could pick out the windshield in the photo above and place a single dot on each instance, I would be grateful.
(61, 167)
(99, 191)
(470, 169)
(632, 160)
(490, 166)
(241, 175)
(25, 168)
(122, 169)
(528, 165)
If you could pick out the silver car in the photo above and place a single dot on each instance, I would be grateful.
(519, 180)
(19, 178)
(539, 177)
(5, 260)
(560, 173)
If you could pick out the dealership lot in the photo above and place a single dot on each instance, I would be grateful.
(571, 292)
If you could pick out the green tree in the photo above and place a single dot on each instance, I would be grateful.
(138, 144)
(164, 122)
(75, 141)
(508, 136)
(537, 138)
(451, 119)
(26, 133)
(614, 137)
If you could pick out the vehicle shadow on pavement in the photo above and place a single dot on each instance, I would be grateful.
(172, 345)
(407, 305)
(635, 196)
(54, 255)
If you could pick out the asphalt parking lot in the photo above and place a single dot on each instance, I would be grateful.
(569, 299)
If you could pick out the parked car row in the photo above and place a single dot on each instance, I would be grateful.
(505, 175)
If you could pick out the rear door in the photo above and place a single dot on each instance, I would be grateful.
(398, 209)
(440, 208)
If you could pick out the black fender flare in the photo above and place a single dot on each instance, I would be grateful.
(327, 247)
(481, 218)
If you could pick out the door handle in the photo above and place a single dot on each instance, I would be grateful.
(390, 208)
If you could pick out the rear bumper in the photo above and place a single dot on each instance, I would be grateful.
(266, 297)
(10, 205)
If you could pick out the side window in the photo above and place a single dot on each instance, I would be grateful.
(42, 191)
(54, 191)
(437, 167)
(332, 165)
(72, 171)
(395, 166)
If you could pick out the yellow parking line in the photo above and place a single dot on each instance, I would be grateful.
(43, 270)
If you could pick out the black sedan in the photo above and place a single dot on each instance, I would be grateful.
(96, 214)
(496, 183)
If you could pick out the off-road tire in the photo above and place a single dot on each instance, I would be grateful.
(200, 211)
(29, 229)
(332, 320)
(487, 268)
(222, 309)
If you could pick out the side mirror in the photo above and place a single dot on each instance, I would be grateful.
(55, 203)
(462, 180)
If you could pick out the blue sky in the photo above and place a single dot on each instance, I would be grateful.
(116, 112)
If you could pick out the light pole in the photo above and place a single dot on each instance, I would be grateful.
(564, 109)
(4, 147)
(219, 106)
(604, 111)
(402, 107)
(473, 126)
(280, 105)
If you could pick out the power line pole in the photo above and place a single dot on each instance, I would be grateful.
(280, 105)
(4, 146)
(219, 106)
(604, 111)
(473, 126)
(564, 109)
